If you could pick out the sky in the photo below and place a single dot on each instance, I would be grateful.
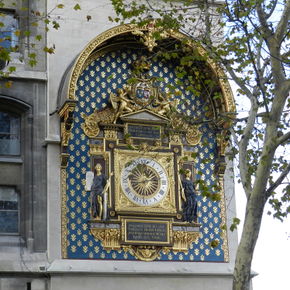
(272, 253)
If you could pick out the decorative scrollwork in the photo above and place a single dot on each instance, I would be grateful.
(145, 253)
(110, 237)
(148, 36)
(193, 135)
(111, 134)
(66, 115)
(183, 239)
(91, 124)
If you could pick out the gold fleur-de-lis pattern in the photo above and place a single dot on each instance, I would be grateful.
(104, 75)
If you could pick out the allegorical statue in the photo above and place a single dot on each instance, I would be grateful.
(166, 106)
(120, 103)
(188, 195)
(99, 190)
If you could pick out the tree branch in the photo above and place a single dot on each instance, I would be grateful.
(259, 73)
(243, 145)
(268, 15)
(263, 20)
(283, 139)
(237, 80)
(278, 181)
(234, 135)
(283, 23)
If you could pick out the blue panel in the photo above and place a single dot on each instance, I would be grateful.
(98, 80)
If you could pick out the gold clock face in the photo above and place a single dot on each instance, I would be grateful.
(144, 181)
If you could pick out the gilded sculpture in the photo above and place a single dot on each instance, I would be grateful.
(91, 124)
(121, 103)
(148, 36)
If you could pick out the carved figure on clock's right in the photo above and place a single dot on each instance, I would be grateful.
(188, 194)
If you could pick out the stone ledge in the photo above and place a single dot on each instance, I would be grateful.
(139, 268)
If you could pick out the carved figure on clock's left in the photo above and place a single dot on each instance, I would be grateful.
(99, 190)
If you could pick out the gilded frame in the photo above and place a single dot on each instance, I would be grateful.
(167, 222)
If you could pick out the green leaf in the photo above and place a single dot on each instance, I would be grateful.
(12, 69)
(32, 62)
(55, 25)
(8, 84)
(77, 7)
(235, 223)
(214, 244)
(38, 37)
(49, 50)
(17, 33)
(223, 227)
(32, 55)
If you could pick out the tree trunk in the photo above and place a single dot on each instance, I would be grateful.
(253, 218)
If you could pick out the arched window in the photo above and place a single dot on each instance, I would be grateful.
(9, 133)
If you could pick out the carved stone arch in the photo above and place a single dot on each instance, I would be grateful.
(120, 33)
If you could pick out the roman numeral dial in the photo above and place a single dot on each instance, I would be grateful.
(144, 181)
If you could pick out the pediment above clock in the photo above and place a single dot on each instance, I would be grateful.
(144, 116)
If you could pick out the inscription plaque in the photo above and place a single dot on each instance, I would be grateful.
(144, 232)
(143, 131)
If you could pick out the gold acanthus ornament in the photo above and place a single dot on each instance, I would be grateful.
(182, 240)
(148, 36)
(111, 240)
(122, 103)
(192, 132)
(91, 122)
(193, 135)
(66, 115)
(145, 253)
(144, 146)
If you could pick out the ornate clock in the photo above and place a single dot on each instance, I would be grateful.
(144, 181)
(142, 202)
(144, 184)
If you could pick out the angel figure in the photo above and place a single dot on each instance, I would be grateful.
(120, 103)
(166, 106)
